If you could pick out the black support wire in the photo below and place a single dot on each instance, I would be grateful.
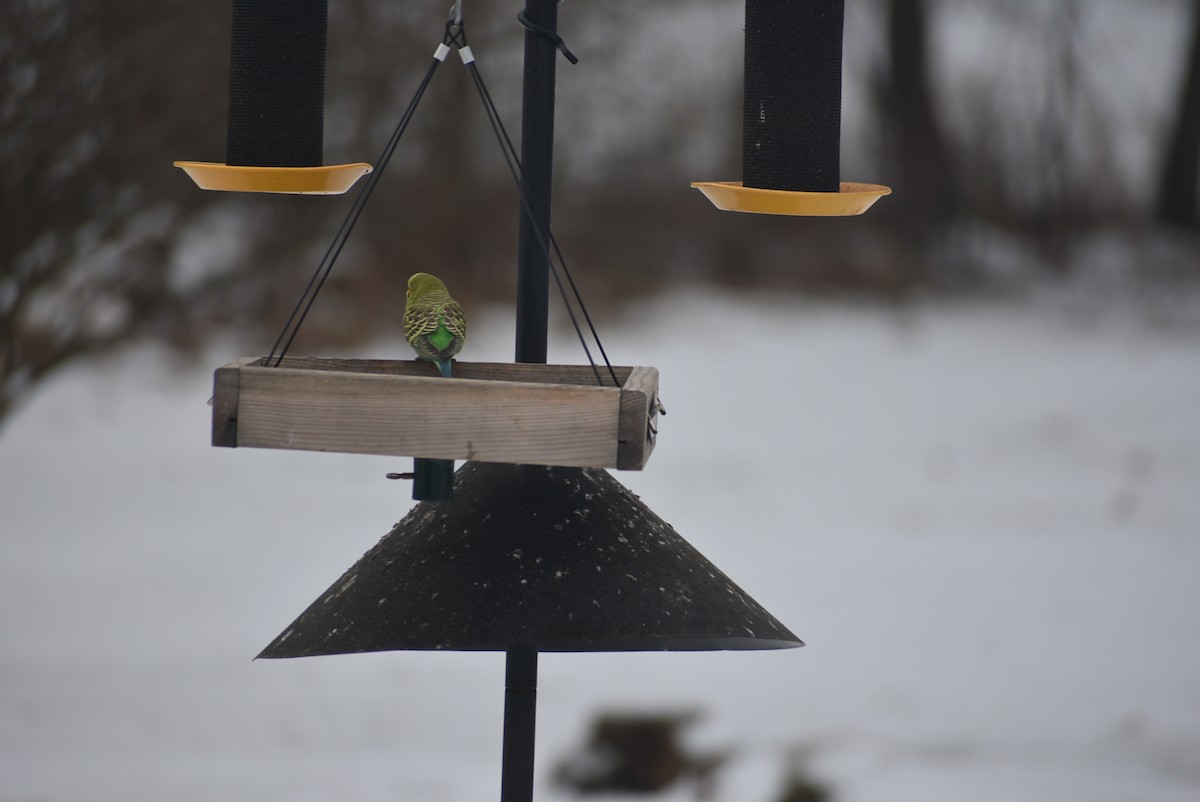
(545, 234)
(455, 35)
(309, 296)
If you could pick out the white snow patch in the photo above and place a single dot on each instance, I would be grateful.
(981, 518)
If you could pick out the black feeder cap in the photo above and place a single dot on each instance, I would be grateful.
(562, 559)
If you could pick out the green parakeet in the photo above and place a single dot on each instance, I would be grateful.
(434, 324)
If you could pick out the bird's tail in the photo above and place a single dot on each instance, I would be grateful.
(444, 367)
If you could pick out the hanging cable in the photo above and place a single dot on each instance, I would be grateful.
(514, 166)
(455, 34)
(325, 266)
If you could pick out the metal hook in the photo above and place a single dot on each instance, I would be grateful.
(532, 26)
(456, 12)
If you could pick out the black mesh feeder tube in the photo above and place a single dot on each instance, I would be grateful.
(791, 116)
(276, 104)
(277, 83)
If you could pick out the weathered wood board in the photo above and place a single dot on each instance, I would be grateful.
(489, 412)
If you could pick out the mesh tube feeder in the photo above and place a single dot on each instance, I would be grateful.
(276, 105)
(791, 116)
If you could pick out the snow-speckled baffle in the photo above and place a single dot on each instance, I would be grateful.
(564, 559)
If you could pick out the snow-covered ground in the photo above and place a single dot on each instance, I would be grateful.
(983, 518)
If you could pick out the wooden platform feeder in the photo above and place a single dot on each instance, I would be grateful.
(510, 413)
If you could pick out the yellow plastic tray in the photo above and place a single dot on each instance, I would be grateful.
(731, 196)
(330, 180)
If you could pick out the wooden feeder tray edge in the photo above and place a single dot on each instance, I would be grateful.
(489, 412)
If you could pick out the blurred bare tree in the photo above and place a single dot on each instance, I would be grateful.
(1179, 183)
(87, 209)
(101, 240)
(926, 166)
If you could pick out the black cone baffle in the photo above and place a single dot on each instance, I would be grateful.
(561, 559)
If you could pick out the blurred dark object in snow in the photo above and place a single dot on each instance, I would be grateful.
(799, 785)
(637, 753)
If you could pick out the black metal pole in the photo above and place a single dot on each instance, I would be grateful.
(537, 156)
(520, 717)
(533, 296)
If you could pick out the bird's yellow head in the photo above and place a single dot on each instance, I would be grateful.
(420, 284)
